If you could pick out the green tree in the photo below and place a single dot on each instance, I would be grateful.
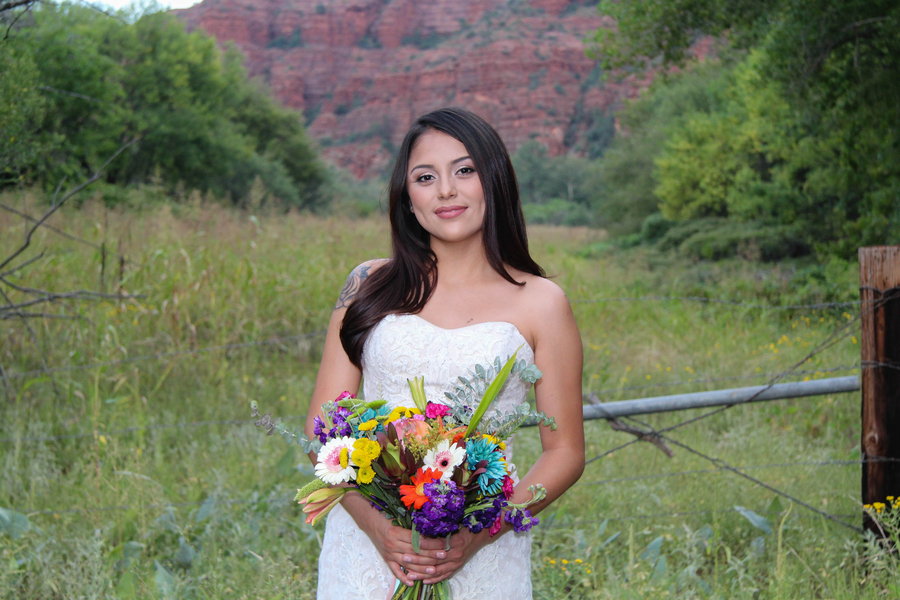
(21, 108)
(627, 172)
(200, 122)
(814, 141)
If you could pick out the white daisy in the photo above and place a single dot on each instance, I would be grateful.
(444, 458)
(334, 464)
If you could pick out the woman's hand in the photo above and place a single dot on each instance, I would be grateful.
(394, 543)
(463, 546)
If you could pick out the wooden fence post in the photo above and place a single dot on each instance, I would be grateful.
(879, 290)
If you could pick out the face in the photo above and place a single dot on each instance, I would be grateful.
(444, 188)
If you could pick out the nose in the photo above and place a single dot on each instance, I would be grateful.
(446, 188)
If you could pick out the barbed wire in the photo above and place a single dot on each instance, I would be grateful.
(685, 513)
(52, 438)
(132, 359)
(725, 466)
(718, 379)
(129, 507)
(809, 463)
(817, 306)
(838, 334)
(550, 522)
(94, 434)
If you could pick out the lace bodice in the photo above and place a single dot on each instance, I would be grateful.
(402, 347)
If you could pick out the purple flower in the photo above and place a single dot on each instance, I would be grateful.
(480, 519)
(320, 430)
(341, 427)
(442, 513)
(520, 519)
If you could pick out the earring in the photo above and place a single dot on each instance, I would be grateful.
(411, 209)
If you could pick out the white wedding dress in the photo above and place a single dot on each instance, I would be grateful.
(402, 347)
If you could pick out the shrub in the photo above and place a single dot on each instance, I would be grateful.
(754, 242)
(655, 227)
(558, 212)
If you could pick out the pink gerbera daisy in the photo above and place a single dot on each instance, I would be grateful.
(444, 458)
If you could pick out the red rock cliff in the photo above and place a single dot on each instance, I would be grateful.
(363, 70)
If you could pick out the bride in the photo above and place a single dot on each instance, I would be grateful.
(459, 290)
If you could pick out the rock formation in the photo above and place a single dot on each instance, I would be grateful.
(362, 70)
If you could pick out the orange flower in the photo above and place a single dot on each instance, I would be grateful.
(418, 429)
(415, 494)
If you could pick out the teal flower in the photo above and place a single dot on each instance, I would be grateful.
(485, 450)
(368, 415)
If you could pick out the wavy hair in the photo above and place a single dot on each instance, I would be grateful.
(405, 283)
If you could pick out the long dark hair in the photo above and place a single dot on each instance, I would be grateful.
(405, 283)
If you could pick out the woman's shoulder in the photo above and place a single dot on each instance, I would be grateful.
(355, 279)
(540, 292)
(370, 266)
(542, 305)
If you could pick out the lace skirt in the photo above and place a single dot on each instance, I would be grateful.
(351, 569)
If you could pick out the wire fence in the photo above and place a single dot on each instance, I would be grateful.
(823, 463)
(646, 431)
(727, 302)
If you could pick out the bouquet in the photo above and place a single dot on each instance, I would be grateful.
(433, 468)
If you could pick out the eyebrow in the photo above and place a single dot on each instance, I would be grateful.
(458, 160)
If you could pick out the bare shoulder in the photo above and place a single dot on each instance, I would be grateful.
(543, 309)
(542, 294)
(355, 280)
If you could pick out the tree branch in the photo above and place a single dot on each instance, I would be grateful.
(62, 201)
(11, 4)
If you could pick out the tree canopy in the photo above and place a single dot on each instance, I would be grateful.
(803, 129)
(91, 82)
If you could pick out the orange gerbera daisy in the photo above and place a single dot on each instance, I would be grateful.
(415, 494)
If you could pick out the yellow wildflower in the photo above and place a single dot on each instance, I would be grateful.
(368, 425)
(344, 457)
(366, 474)
(403, 412)
(365, 451)
(501, 445)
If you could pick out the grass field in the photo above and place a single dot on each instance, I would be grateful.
(230, 309)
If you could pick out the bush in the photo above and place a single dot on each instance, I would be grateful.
(680, 232)
(655, 227)
(761, 242)
(558, 212)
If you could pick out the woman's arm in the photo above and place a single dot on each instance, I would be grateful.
(336, 375)
(558, 354)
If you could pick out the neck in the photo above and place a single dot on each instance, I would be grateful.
(461, 262)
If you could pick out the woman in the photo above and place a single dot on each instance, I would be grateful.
(460, 289)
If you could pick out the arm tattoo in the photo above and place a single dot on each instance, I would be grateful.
(354, 281)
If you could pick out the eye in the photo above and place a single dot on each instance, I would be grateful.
(424, 178)
(466, 170)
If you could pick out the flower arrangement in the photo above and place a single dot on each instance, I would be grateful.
(433, 467)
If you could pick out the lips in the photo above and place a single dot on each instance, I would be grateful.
(449, 212)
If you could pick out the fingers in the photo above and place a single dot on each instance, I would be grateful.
(400, 573)
(431, 543)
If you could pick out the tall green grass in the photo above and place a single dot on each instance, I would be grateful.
(203, 511)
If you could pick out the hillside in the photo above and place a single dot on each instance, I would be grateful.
(362, 70)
